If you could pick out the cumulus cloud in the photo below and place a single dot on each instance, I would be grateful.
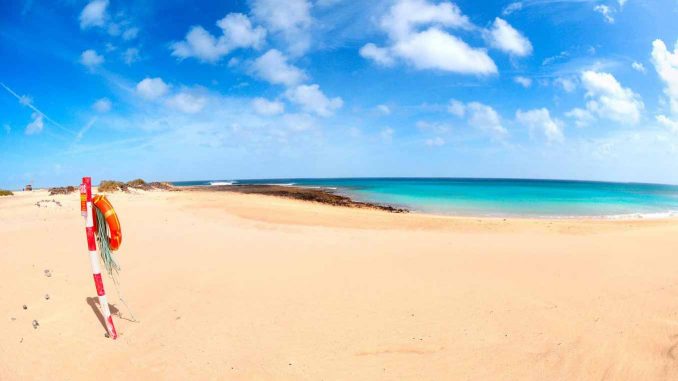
(435, 49)
(637, 66)
(669, 123)
(274, 68)
(291, 19)
(608, 99)
(186, 102)
(479, 116)
(485, 118)
(152, 88)
(606, 11)
(94, 14)
(36, 125)
(263, 106)
(405, 16)
(102, 105)
(582, 118)
(567, 84)
(539, 120)
(90, 58)
(666, 64)
(237, 32)
(432, 48)
(312, 99)
(523, 81)
(381, 56)
(504, 37)
(456, 108)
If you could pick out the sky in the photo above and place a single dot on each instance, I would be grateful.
(187, 90)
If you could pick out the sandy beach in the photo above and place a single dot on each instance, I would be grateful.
(251, 287)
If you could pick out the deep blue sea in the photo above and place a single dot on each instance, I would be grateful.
(497, 197)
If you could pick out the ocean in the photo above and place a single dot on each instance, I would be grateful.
(497, 197)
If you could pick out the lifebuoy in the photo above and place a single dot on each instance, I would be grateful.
(115, 234)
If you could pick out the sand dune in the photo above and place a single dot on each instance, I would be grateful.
(249, 287)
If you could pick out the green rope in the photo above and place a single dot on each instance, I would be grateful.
(107, 257)
(104, 248)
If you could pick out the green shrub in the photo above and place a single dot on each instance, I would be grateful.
(112, 186)
(138, 183)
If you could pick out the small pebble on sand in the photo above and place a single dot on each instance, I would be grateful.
(25, 307)
(35, 324)
(46, 296)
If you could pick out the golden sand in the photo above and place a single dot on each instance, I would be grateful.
(247, 287)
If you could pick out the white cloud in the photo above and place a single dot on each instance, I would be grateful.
(186, 102)
(90, 58)
(36, 125)
(523, 81)
(200, 44)
(131, 55)
(608, 99)
(456, 108)
(567, 84)
(504, 37)
(102, 105)
(582, 118)
(94, 14)
(540, 120)
(263, 106)
(485, 118)
(406, 15)
(312, 99)
(381, 56)
(666, 122)
(666, 64)
(432, 48)
(237, 32)
(435, 142)
(152, 88)
(273, 67)
(513, 7)
(606, 11)
(435, 49)
(384, 109)
(637, 66)
(291, 19)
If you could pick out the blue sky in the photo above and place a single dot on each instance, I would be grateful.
(171, 90)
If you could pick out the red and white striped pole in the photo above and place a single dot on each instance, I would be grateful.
(86, 195)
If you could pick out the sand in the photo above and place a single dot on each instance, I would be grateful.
(251, 287)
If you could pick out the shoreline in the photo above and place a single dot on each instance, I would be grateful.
(330, 196)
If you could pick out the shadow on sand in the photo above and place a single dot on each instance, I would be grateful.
(94, 304)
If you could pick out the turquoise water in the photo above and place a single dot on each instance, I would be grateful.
(498, 197)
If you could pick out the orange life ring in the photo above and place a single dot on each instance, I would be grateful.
(115, 234)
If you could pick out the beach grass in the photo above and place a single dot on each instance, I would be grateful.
(6, 193)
